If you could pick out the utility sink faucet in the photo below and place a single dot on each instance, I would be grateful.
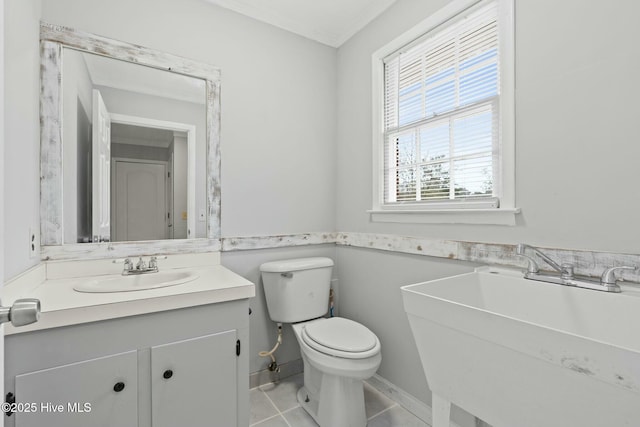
(565, 270)
(566, 276)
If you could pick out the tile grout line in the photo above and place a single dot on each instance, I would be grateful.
(265, 419)
(278, 413)
(277, 409)
(281, 414)
(290, 409)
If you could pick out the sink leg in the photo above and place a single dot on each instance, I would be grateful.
(441, 411)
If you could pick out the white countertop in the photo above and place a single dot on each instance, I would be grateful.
(63, 306)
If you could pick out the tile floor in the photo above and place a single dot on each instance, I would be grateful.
(275, 405)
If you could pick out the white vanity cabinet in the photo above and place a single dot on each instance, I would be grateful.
(57, 396)
(177, 367)
(193, 382)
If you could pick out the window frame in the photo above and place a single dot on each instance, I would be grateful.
(481, 211)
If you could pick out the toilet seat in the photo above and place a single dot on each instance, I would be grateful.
(341, 337)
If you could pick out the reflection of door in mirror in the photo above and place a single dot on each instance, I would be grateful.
(101, 169)
(148, 165)
(140, 117)
(140, 201)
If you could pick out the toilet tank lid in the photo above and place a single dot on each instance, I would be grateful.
(297, 264)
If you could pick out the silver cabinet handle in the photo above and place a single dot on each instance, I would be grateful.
(23, 312)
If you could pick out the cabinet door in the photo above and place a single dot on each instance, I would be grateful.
(193, 382)
(60, 394)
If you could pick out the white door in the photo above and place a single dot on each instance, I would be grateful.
(140, 201)
(101, 170)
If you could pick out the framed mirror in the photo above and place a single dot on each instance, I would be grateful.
(130, 149)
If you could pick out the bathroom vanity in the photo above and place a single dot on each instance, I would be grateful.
(165, 348)
(176, 355)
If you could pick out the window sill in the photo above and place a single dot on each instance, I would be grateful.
(501, 216)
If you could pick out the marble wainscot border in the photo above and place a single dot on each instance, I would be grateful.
(279, 241)
(587, 263)
(83, 251)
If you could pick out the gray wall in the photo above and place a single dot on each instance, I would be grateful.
(278, 104)
(278, 120)
(575, 126)
(296, 128)
(77, 107)
(576, 156)
(140, 152)
(180, 179)
(369, 293)
(84, 182)
(21, 167)
(278, 110)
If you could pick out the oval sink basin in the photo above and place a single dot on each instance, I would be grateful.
(138, 282)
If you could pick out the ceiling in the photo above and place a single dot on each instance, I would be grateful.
(331, 22)
(138, 135)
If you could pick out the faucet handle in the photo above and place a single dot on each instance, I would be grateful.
(567, 270)
(609, 275)
(153, 262)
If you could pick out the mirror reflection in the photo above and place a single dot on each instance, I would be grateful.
(134, 151)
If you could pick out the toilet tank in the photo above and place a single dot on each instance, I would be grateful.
(297, 289)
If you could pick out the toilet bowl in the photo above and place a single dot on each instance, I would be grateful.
(337, 353)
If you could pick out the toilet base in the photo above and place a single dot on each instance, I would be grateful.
(308, 404)
(340, 403)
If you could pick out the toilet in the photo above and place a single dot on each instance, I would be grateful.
(337, 353)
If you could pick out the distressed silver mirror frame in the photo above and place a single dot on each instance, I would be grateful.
(52, 39)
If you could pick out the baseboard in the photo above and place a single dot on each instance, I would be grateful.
(404, 399)
(288, 369)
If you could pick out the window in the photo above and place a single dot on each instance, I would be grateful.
(445, 112)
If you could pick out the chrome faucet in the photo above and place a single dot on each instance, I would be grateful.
(141, 267)
(128, 266)
(565, 270)
(609, 279)
(153, 263)
(566, 276)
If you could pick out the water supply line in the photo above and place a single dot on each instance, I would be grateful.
(273, 366)
(331, 302)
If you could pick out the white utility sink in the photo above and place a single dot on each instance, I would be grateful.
(136, 282)
(517, 352)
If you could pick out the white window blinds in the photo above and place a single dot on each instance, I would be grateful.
(441, 118)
